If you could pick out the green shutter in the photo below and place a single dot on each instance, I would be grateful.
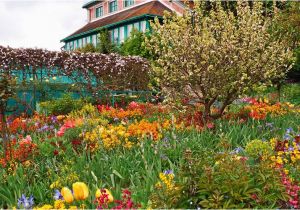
(147, 24)
(125, 32)
(118, 36)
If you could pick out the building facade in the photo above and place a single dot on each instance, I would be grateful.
(119, 17)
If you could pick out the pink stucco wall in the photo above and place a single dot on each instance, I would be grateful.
(105, 4)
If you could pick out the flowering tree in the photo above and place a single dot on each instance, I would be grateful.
(217, 54)
(93, 71)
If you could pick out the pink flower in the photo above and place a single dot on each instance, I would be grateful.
(210, 125)
(67, 125)
(133, 105)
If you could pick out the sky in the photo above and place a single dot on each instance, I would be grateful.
(39, 23)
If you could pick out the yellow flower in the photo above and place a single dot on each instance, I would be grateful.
(60, 117)
(27, 163)
(67, 195)
(81, 191)
(286, 171)
(110, 197)
(59, 204)
(73, 207)
(55, 184)
(46, 206)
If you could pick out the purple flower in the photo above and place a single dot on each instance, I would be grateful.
(54, 119)
(25, 202)
(237, 150)
(166, 172)
(57, 195)
(291, 149)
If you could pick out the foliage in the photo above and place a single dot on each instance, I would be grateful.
(88, 48)
(216, 55)
(105, 45)
(208, 179)
(287, 25)
(7, 90)
(62, 106)
(134, 45)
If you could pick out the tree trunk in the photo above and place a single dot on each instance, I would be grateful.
(279, 90)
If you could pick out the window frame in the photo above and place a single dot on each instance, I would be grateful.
(113, 6)
(99, 11)
(128, 2)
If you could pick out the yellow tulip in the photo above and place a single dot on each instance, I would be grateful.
(81, 191)
(67, 195)
(110, 197)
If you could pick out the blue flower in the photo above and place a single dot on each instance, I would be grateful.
(286, 137)
(57, 195)
(289, 130)
(25, 202)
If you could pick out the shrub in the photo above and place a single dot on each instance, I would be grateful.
(134, 45)
(222, 180)
(62, 106)
(105, 45)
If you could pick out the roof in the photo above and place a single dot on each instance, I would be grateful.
(154, 8)
(91, 3)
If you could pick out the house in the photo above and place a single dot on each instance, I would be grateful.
(119, 17)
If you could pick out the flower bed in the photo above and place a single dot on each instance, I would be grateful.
(151, 156)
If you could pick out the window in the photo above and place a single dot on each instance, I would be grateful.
(122, 37)
(72, 45)
(116, 36)
(129, 29)
(77, 44)
(137, 26)
(128, 3)
(143, 26)
(95, 40)
(83, 42)
(111, 33)
(113, 6)
(99, 11)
